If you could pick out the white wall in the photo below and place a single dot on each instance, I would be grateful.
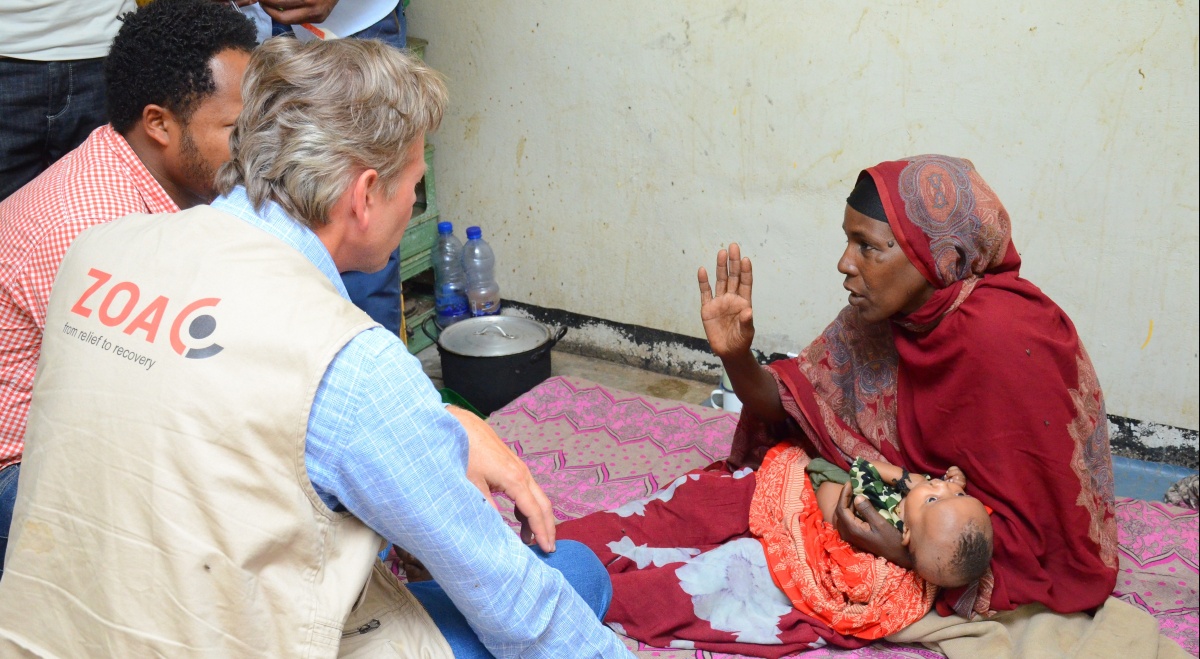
(609, 148)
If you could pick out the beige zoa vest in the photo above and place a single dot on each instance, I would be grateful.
(164, 507)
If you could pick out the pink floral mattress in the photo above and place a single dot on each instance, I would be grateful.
(594, 448)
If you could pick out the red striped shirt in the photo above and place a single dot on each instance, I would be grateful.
(98, 182)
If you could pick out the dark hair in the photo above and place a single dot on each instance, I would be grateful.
(864, 198)
(973, 555)
(161, 56)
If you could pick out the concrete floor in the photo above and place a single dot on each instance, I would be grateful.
(609, 374)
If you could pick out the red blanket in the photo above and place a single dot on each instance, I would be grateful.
(688, 573)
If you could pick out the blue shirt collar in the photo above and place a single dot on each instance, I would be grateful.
(276, 222)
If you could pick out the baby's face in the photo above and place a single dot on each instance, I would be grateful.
(935, 514)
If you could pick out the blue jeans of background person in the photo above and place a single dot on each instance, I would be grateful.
(377, 293)
(577, 563)
(47, 109)
(8, 496)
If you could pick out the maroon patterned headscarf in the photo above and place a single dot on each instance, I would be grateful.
(988, 375)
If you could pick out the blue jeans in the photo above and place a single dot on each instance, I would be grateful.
(577, 563)
(8, 496)
(48, 109)
(377, 293)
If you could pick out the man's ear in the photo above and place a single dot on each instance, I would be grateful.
(905, 536)
(156, 123)
(364, 194)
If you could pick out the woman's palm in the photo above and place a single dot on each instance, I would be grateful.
(726, 332)
(725, 309)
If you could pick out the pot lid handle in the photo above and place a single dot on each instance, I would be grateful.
(506, 335)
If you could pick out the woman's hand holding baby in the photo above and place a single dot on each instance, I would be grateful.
(859, 524)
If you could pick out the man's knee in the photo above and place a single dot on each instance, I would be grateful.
(583, 571)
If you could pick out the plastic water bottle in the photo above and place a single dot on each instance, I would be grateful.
(483, 293)
(450, 282)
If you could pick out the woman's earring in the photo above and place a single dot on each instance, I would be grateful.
(891, 243)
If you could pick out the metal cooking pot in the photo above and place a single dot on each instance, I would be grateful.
(490, 360)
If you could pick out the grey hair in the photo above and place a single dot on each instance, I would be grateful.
(315, 114)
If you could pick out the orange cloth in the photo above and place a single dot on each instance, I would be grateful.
(854, 592)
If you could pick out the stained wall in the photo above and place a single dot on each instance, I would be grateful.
(610, 148)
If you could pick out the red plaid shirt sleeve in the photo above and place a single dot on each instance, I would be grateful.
(98, 182)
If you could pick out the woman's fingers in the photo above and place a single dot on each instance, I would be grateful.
(735, 268)
(706, 295)
(747, 279)
(722, 273)
(844, 519)
(735, 274)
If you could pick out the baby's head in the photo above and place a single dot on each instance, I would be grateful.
(947, 532)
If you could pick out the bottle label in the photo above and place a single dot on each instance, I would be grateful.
(487, 308)
(451, 305)
(450, 302)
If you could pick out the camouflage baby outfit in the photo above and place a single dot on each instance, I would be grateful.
(865, 480)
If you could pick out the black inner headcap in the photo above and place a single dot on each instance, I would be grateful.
(864, 198)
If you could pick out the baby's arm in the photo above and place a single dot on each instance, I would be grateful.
(892, 474)
(828, 494)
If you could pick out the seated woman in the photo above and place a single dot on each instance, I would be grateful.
(945, 356)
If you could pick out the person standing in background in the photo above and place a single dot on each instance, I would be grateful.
(382, 20)
(51, 80)
(377, 293)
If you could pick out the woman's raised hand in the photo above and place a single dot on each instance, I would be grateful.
(725, 310)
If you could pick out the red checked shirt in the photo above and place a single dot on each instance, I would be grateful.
(98, 182)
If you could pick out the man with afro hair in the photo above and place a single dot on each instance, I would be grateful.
(173, 81)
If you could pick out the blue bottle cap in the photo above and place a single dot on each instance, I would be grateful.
(474, 233)
(445, 228)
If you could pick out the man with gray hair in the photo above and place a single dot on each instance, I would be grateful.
(219, 439)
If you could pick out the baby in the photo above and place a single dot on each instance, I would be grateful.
(946, 531)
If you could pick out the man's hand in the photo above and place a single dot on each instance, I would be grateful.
(725, 310)
(859, 524)
(493, 467)
(294, 12)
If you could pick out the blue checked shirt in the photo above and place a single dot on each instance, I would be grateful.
(382, 446)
